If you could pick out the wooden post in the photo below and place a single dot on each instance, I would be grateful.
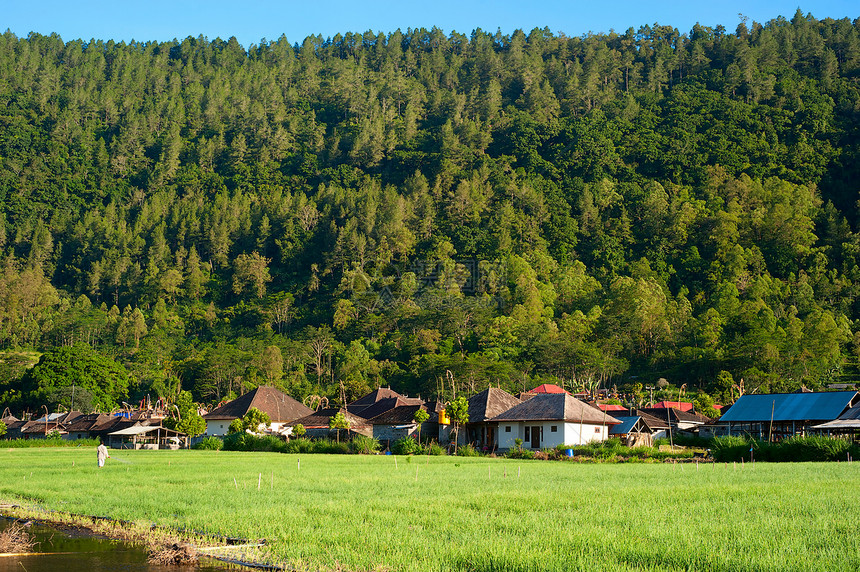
(770, 431)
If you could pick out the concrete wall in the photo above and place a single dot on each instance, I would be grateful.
(217, 428)
(564, 434)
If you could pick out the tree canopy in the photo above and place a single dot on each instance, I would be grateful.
(335, 214)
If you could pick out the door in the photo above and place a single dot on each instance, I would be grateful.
(536, 435)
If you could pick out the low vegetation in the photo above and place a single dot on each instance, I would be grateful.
(15, 539)
(366, 512)
(50, 443)
(793, 449)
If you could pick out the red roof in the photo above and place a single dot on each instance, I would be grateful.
(682, 405)
(548, 388)
(611, 407)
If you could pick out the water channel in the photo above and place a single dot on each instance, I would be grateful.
(69, 550)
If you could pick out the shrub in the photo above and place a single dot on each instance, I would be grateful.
(730, 448)
(209, 444)
(299, 446)
(406, 446)
(329, 447)
(520, 453)
(363, 445)
(247, 442)
(433, 448)
(467, 451)
(810, 448)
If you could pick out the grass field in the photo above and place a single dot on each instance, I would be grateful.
(442, 513)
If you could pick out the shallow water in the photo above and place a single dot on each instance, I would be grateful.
(61, 550)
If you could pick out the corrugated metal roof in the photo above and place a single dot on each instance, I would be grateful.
(851, 414)
(548, 388)
(626, 426)
(824, 406)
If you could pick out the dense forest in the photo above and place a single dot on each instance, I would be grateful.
(429, 211)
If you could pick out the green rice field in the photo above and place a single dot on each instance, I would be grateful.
(350, 512)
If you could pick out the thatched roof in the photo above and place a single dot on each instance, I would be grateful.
(277, 405)
(490, 403)
(555, 407)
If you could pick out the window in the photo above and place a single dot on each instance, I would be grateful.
(528, 434)
(597, 429)
(553, 428)
(507, 428)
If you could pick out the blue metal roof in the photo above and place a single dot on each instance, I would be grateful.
(823, 406)
(627, 424)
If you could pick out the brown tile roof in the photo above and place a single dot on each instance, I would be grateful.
(40, 427)
(401, 415)
(321, 418)
(379, 401)
(555, 407)
(278, 406)
(374, 396)
(490, 403)
(86, 422)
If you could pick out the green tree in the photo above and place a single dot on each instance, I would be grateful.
(251, 273)
(457, 411)
(252, 421)
(338, 421)
(80, 366)
(420, 417)
(188, 418)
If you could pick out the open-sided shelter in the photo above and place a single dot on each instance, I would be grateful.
(779, 415)
(146, 437)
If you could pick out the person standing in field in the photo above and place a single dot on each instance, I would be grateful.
(102, 454)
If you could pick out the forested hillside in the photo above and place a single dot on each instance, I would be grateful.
(335, 214)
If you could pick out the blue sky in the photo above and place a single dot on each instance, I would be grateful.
(252, 20)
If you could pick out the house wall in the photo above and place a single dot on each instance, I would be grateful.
(391, 433)
(564, 434)
(217, 427)
(574, 434)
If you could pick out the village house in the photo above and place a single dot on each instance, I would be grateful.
(281, 409)
(482, 429)
(400, 422)
(317, 424)
(550, 420)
